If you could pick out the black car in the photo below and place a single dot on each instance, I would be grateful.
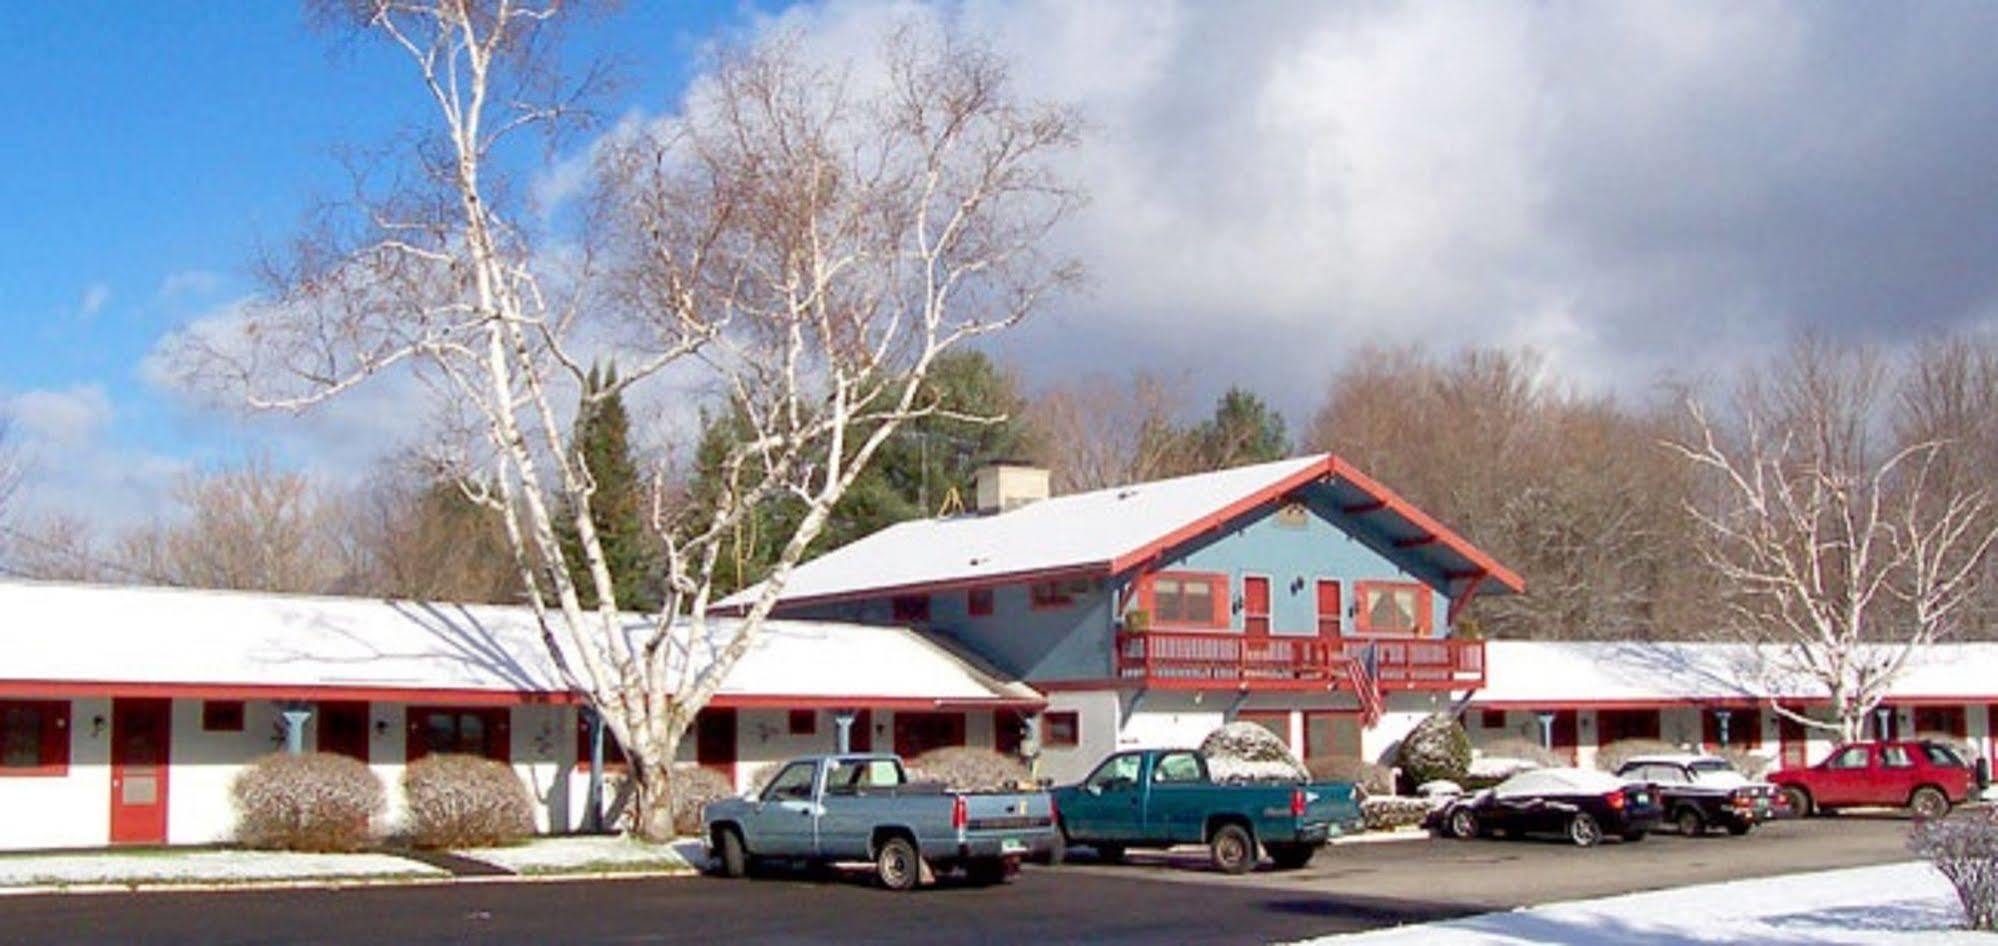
(1582, 805)
(1700, 793)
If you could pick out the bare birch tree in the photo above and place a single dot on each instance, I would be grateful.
(1843, 555)
(804, 242)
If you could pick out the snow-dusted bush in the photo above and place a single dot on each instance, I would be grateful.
(317, 802)
(1387, 812)
(1523, 750)
(1372, 779)
(1751, 765)
(465, 801)
(693, 787)
(966, 769)
(1612, 757)
(1439, 788)
(1964, 848)
(1246, 752)
(1436, 748)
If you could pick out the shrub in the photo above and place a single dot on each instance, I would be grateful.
(1387, 812)
(318, 802)
(1750, 764)
(1612, 757)
(466, 801)
(1964, 848)
(1371, 778)
(1246, 752)
(693, 787)
(965, 769)
(1437, 748)
(1521, 749)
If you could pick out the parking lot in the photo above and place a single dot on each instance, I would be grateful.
(1157, 898)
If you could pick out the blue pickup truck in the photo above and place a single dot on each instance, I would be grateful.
(1161, 797)
(823, 809)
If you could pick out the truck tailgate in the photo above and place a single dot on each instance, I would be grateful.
(1334, 802)
(1001, 811)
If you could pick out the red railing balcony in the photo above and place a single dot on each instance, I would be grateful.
(1195, 660)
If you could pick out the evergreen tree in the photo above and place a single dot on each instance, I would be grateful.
(602, 440)
(1243, 430)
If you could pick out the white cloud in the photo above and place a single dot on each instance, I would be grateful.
(189, 282)
(59, 418)
(94, 299)
(73, 464)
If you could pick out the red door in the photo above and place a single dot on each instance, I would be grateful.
(1564, 735)
(141, 731)
(343, 729)
(1328, 608)
(917, 733)
(1255, 606)
(1795, 742)
(860, 736)
(714, 740)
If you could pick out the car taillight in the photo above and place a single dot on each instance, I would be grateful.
(1297, 803)
(1615, 800)
(960, 813)
(1054, 810)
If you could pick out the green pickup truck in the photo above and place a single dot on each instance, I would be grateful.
(1157, 798)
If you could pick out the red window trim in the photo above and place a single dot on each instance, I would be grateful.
(1425, 624)
(221, 715)
(496, 719)
(53, 739)
(1074, 721)
(1052, 595)
(1219, 587)
(803, 722)
(914, 609)
(978, 602)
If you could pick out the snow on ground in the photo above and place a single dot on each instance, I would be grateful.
(591, 854)
(198, 867)
(1892, 905)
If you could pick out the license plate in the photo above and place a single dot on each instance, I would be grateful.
(1012, 846)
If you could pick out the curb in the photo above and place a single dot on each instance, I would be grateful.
(1379, 837)
(333, 883)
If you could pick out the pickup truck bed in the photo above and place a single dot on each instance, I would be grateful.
(862, 808)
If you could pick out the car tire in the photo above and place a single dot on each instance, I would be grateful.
(1232, 849)
(1928, 803)
(1462, 824)
(1800, 801)
(1690, 822)
(897, 865)
(1292, 856)
(1110, 853)
(1584, 830)
(731, 857)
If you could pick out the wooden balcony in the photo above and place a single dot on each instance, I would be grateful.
(1204, 661)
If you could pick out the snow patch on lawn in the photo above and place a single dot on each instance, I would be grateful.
(590, 854)
(196, 867)
(1894, 904)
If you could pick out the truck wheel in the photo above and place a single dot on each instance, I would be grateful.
(1110, 853)
(897, 865)
(1232, 850)
(1292, 856)
(1584, 830)
(1800, 801)
(1463, 824)
(731, 858)
(990, 871)
(1928, 802)
(1690, 823)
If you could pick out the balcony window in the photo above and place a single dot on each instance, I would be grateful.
(1189, 600)
(1392, 608)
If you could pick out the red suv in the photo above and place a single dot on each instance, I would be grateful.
(1928, 777)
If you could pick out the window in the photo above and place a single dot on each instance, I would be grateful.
(913, 609)
(804, 722)
(479, 732)
(1392, 608)
(1896, 757)
(1061, 730)
(1854, 757)
(34, 737)
(792, 784)
(1943, 755)
(1492, 719)
(850, 778)
(978, 601)
(222, 716)
(1187, 600)
(1177, 768)
(1056, 594)
(1619, 725)
(1947, 720)
(1117, 773)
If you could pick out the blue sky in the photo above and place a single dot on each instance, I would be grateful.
(1632, 189)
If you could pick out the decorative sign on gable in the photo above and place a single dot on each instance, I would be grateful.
(1293, 515)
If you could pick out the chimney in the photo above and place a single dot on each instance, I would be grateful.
(1009, 485)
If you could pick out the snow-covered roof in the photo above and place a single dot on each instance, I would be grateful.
(1551, 673)
(135, 639)
(1108, 530)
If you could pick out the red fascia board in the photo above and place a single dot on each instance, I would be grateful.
(1083, 570)
(771, 701)
(1220, 517)
(1677, 702)
(88, 689)
(1422, 521)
